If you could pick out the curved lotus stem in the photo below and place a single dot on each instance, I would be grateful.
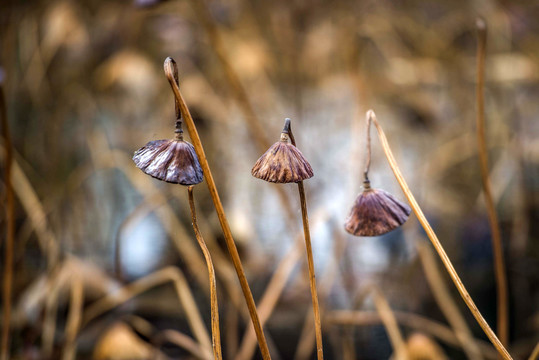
(193, 134)
(435, 242)
(215, 332)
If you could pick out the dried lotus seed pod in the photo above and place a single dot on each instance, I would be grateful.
(173, 161)
(282, 163)
(376, 212)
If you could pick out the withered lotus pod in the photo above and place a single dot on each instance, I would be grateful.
(376, 212)
(174, 161)
(282, 163)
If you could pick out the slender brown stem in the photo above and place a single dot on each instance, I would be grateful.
(10, 231)
(178, 131)
(435, 242)
(308, 248)
(312, 280)
(121, 295)
(193, 134)
(368, 158)
(74, 316)
(499, 263)
(215, 332)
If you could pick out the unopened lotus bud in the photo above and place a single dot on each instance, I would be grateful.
(376, 212)
(282, 163)
(174, 161)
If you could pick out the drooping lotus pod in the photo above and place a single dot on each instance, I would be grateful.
(376, 212)
(282, 163)
(174, 161)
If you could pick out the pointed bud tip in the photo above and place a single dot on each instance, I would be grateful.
(286, 127)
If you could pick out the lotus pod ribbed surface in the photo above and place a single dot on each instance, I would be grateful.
(282, 163)
(376, 212)
(174, 161)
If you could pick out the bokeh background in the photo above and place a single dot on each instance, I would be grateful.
(85, 88)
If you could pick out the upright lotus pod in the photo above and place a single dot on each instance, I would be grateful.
(284, 163)
(175, 161)
(375, 211)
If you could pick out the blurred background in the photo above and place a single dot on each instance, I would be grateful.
(85, 88)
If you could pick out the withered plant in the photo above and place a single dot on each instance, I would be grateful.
(175, 161)
(375, 211)
(171, 73)
(284, 163)
(435, 242)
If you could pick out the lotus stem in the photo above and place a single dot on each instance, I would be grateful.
(366, 181)
(215, 332)
(436, 243)
(193, 134)
(309, 250)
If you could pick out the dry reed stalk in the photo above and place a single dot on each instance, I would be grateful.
(51, 309)
(35, 211)
(169, 65)
(183, 341)
(36, 214)
(169, 274)
(10, 231)
(74, 316)
(410, 320)
(390, 323)
(446, 303)
(175, 337)
(215, 333)
(497, 246)
(435, 242)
